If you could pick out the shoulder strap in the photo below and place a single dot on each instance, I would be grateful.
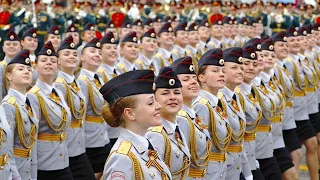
(34, 90)
(59, 80)
(83, 77)
(124, 147)
(11, 100)
(183, 113)
(157, 129)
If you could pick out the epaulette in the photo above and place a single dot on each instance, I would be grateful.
(182, 113)
(189, 53)
(139, 61)
(83, 77)
(290, 59)
(157, 129)
(220, 95)
(237, 90)
(3, 63)
(174, 51)
(11, 100)
(203, 100)
(100, 70)
(34, 89)
(158, 55)
(121, 66)
(59, 80)
(124, 147)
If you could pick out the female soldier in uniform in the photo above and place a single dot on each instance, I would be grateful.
(96, 135)
(276, 92)
(54, 118)
(251, 107)
(54, 36)
(67, 60)
(290, 137)
(132, 108)
(168, 139)
(236, 117)
(210, 110)
(73, 31)
(107, 70)
(21, 117)
(194, 130)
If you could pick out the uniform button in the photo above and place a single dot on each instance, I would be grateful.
(60, 155)
(27, 171)
(200, 136)
(151, 174)
(177, 153)
(221, 176)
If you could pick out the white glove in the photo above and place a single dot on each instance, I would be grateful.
(249, 177)
(257, 164)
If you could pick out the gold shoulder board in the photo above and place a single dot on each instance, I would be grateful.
(220, 95)
(182, 113)
(59, 80)
(237, 90)
(124, 147)
(203, 100)
(157, 129)
(158, 55)
(83, 77)
(3, 63)
(11, 100)
(100, 70)
(34, 90)
(121, 65)
(138, 61)
(290, 59)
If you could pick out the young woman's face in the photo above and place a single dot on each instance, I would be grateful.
(30, 43)
(75, 36)
(204, 32)
(149, 44)
(91, 57)
(193, 37)
(260, 60)
(269, 58)
(311, 40)
(109, 53)
(87, 36)
(129, 51)
(138, 30)
(293, 44)
(182, 38)
(227, 30)
(250, 69)
(234, 73)
(217, 31)
(166, 38)
(47, 65)
(68, 58)
(157, 26)
(170, 100)
(190, 85)
(303, 42)
(20, 75)
(55, 40)
(281, 49)
(213, 77)
(11, 48)
(114, 32)
(147, 111)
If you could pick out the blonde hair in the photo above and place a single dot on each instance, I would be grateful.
(112, 114)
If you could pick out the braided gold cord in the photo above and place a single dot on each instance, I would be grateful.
(70, 102)
(91, 99)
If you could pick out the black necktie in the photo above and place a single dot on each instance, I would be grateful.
(28, 107)
(234, 97)
(178, 138)
(150, 147)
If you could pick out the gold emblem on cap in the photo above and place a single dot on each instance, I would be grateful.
(186, 28)
(72, 45)
(259, 46)
(98, 44)
(111, 25)
(91, 28)
(154, 86)
(153, 35)
(195, 27)
(235, 22)
(170, 29)
(134, 39)
(12, 37)
(285, 38)
(151, 24)
(295, 33)
(312, 31)
(219, 22)
(191, 68)
(172, 82)
(271, 47)
(27, 61)
(230, 22)
(318, 28)
(252, 55)
(159, 20)
(56, 32)
(72, 29)
(259, 21)
(240, 59)
(34, 35)
(304, 32)
(128, 25)
(221, 61)
(49, 51)
(206, 24)
(139, 23)
(245, 23)
(112, 40)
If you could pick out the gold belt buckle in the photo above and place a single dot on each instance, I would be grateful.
(62, 136)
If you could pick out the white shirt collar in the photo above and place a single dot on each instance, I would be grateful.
(109, 69)
(90, 73)
(166, 53)
(172, 125)
(257, 80)
(295, 56)
(23, 97)
(144, 59)
(271, 72)
(48, 86)
(301, 56)
(6, 59)
(279, 63)
(180, 49)
(265, 77)
(229, 92)
(69, 78)
(246, 88)
(202, 44)
(144, 142)
(210, 97)
(190, 111)
(33, 57)
(192, 49)
(127, 63)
